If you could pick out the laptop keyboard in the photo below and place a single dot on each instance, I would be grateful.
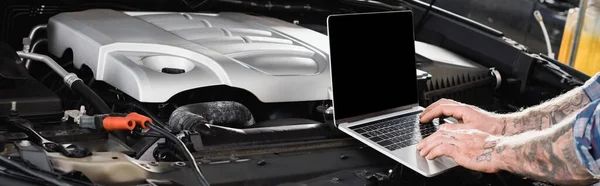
(396, 132)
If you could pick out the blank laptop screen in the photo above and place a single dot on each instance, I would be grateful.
(372, 58)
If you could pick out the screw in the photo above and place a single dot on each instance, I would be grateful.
(153, 163)
(343, 157)
(261, 162)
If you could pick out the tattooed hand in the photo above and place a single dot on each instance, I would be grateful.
(472, 149)
(537, 117)
(470, 117)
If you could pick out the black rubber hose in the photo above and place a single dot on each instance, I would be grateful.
(88, 94)
(183, 149)
(223, 122)
(24, 169)
(223, 113)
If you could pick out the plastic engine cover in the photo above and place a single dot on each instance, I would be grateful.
(152, 56)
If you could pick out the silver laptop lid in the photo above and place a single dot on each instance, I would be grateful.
(372, 63)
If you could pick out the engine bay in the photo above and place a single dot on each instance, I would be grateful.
(100, 94)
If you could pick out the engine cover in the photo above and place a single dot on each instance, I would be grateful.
(152, 56)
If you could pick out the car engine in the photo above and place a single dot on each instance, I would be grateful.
(115, 97)
(143, 53)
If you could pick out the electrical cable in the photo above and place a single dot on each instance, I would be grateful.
(181, 147)
(146, 112)
(24, 169)
(540, 20)
(424, 18)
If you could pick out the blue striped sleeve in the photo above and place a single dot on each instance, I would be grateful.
(587, 137)
(592, 87)
(586, 132)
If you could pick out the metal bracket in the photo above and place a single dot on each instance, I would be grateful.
(34, 155)
(75, 114)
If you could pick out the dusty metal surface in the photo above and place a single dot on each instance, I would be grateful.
(234, 153)
(111, 168)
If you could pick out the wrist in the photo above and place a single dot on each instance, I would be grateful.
(500, 128)
(504, 156)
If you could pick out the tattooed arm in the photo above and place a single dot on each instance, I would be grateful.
(537, 117)
(565, 152)
(544, 115)
(547, 155)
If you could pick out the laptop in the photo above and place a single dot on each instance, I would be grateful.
(374, 86)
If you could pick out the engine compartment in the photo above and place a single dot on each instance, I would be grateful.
(247, 94)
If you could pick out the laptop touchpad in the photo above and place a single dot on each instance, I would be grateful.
(411, 156)
(445, 160)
